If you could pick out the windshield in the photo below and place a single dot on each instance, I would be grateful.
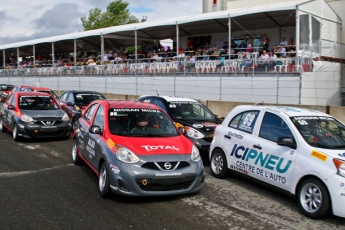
(188, 110)
(141, 122)
(51, 92)
(37, 103)
(324, 132)
(6, 87)
(84, 99)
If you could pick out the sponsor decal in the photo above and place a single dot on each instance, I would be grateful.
(341, 154)
(209, 124)
(198, 126)
(342, 194)
(263, 164)
(90, 148)
(159, 147)
(319, 155)
(115, 169)
(178, 125)
(342, 184)
(110, 143)
(235, 135)
(168, 174)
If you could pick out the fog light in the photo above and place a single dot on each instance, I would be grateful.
(36, 131)
(144, 182)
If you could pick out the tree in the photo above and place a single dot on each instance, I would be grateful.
(116, 14)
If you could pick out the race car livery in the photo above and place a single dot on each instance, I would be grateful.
(34, 115)
(196, 119)
(296, 150)
(136, 150)
(40, 89)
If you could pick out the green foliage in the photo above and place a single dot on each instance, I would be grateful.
(116, 14)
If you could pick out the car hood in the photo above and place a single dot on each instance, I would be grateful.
(204, 126)
(6, 91)
(320, 153)
(38, 114)
(155, 145)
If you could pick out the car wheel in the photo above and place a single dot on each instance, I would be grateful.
(75, 124)
(15, 135)
(2, 127)
(313, 198)
(218, 164)
(103, 183)
(75, 155)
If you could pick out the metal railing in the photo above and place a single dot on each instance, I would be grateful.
(231, 67)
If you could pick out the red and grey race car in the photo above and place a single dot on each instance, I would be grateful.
(5, 90)
(136, 150)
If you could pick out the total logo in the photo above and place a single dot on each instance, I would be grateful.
(159, 147)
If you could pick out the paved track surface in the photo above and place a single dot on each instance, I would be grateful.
(40, 188)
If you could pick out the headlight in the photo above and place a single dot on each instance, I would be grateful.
(193, 133)
(26, 118)
(65, 117)
(195, 156)
(125, 155)
(340, 165)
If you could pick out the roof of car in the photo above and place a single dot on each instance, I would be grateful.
(289, 111)
(82, 91)
(172, 98)
(40, 88)
(23, 93)
(130, 104)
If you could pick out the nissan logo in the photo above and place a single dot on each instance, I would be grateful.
(49, 123)
(167, 165)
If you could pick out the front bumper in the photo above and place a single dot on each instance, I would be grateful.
(146, 179)
(32, 130)
(202, 144)
(336, 188)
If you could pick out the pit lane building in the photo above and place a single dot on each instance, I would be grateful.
(316, 78)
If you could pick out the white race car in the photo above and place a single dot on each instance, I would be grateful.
(297, 150)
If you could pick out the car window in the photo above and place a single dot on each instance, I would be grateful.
(273, 127)
(89, 113)
(70, 98)
(160, 104)
(14, 101)
(99, 118)
(84, 99)
(63, 97)
(244, 121)
(9, 99)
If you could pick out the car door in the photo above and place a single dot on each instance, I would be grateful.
(70, 102)
(5, 111)
(237, 140)
(273, 163)
(94, 140)
(11, 114)
(84, 125)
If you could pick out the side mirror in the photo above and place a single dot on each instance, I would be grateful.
(95, 129)
(10, 107)
(182, 130)
(286, 141)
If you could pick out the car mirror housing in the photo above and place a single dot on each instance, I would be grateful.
(286, 141)
(95, 129)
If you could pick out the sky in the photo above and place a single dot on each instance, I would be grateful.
(22, 20)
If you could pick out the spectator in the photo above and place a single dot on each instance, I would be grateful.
(282, 51)
(264, 60)
(246, 61)
(283, 42)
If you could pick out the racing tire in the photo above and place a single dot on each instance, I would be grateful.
(75, 156)
(218, 164)
(103, 182)
(2, 127)
(313, 198)
(15, 135)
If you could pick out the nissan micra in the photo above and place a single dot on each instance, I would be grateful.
(300, 151)
(136, 150)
